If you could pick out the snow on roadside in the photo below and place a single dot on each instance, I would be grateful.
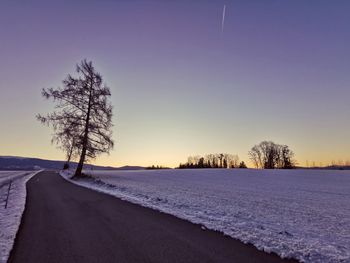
(10, 217)
(302, 214)
(6, 176)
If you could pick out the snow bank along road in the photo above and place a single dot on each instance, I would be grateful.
(12, 202)
(7, 176)
(303, 214)
(63, 222)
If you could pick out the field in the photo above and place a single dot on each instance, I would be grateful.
(7, 176)
(10, 215)
(304, 214)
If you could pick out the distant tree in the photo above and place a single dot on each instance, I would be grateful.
(234, 161)
(159, 167)
(286, 158)
(201, 163)
(221, 157)
(215, 162)
(210, 160)
(83, 118)
(190, 160)
(208, 164)
(242, 165)
(227, 160)
(225, 163)
(255, 156)
(269, 155)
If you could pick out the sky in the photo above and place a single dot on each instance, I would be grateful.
(279, 70)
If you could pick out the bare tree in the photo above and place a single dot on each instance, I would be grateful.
(232, 160)
(287, 157)
(221, 158)
(269, 155)
(65, 132)
(66, 139)
(83, 118)
(256, 157)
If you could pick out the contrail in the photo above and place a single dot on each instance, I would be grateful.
(223, 19)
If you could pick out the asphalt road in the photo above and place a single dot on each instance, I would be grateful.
(66, 223)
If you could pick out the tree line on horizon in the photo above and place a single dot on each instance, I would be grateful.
(157, 167)
(265, 155)
(340, 164)
(218, 160)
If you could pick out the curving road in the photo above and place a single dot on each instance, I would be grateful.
(66, 223)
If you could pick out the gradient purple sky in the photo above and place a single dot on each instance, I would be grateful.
(279, 71)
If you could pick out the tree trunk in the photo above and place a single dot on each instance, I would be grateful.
(81, 161)
(83, 151)
(69, 157)
(78, 171)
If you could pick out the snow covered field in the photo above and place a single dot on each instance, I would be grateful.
(6, 176)
(10, 217)
(304, 214)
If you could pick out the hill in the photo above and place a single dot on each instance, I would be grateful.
(26, 163)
